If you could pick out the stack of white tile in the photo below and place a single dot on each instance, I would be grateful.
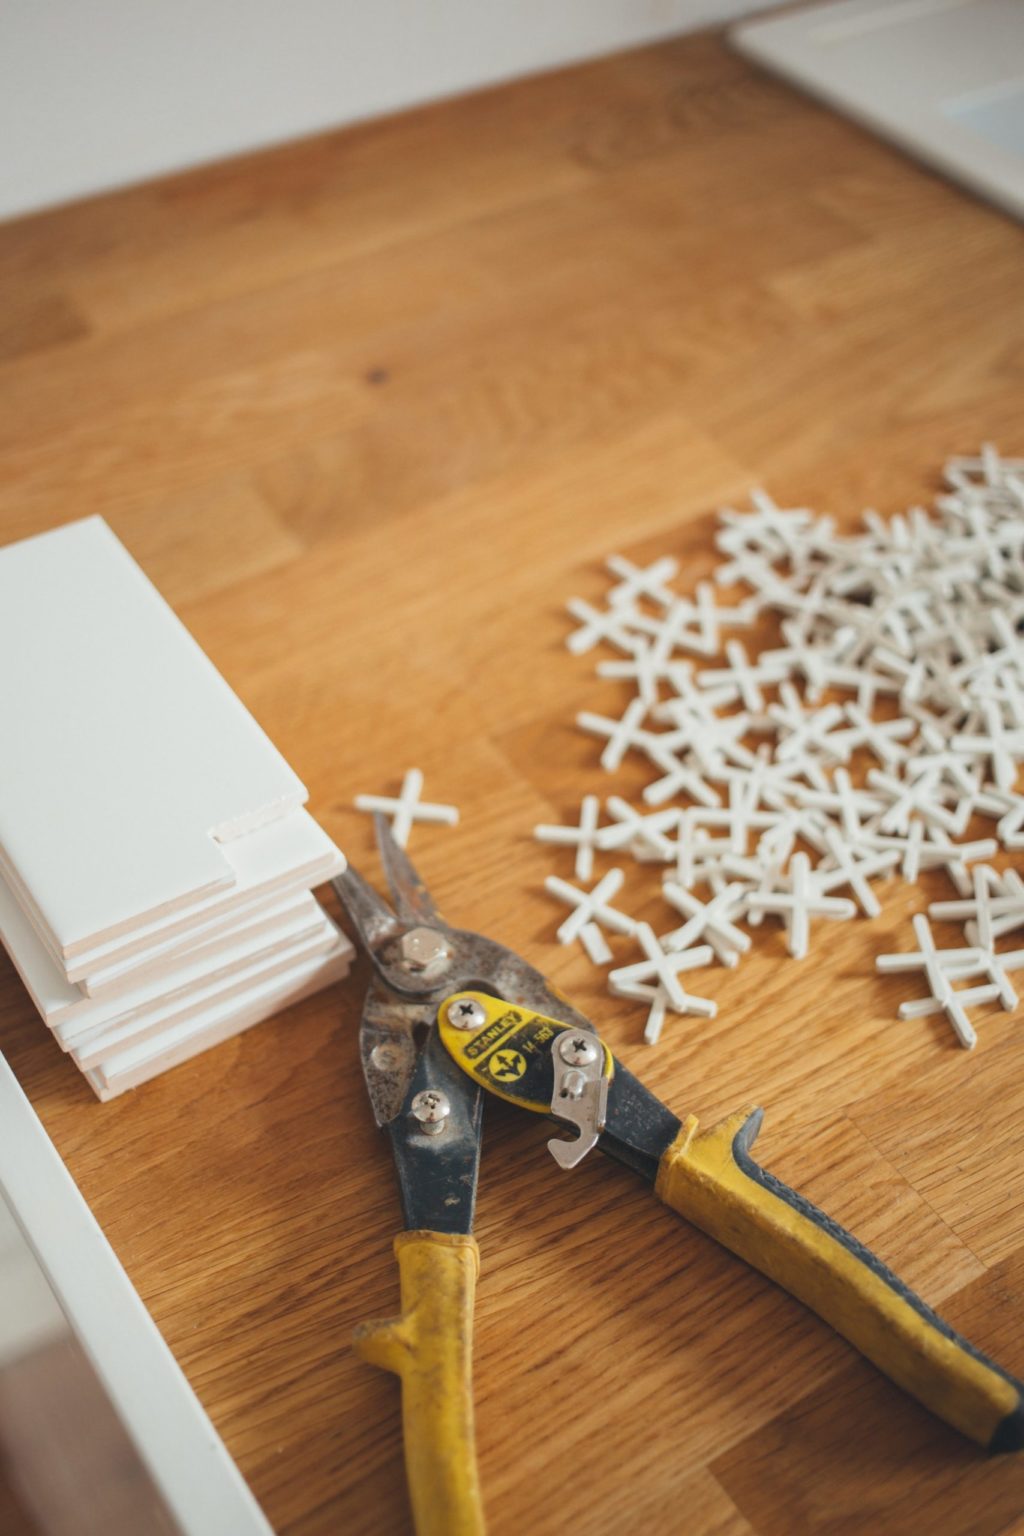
(155, 860)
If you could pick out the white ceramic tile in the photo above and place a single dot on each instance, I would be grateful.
(66, 1009)
(162, 1416)
(127, 761)
(944, 79)
(298, 918)
(159, 1023)
(261, 923)
(291, 855)
(131, 1068)
(268, 883)
(29, 1315)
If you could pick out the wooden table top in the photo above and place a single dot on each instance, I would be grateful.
(369, 409)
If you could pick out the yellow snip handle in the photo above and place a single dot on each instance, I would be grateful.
(710, 1178)
(431, 1348)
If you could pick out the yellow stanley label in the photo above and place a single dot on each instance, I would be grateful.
(505, 1049)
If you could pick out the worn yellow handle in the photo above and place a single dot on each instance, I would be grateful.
(431, 1348)
(709, 1177)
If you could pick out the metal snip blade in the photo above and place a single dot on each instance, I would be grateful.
(373, 918)
(408, 891)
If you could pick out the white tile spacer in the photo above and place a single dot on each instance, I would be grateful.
(642, 581)
(1004, 747)
(995, 968)
(752, 874)
(803, 610)
(940, 968)
(801, 660)
(944, 765)
(801, 731)
(711, 739)
(740, 817)
(595, 944)
(590, 906)
(1009, 808)
(941, 853)
(925, 607)
(775, 848)
(882, 737)
(709, 620)
(1006, 920)
(695, 848)
(851, 806)
(797, 905)
(743, 679)
(920, 797)
(854, 868)
(581, 837)
(679, 777)
(675, 629)
(622, 734)
(597, 625)
(977, 910)
(656, 980)
(764, 784)
(988, 914)
(934, 852)
(708, 921)
(408, 808)
(691, 702)
(631, 828)
(646, 669)
(989, 464)
(657, 999)
(912, 675)
(914, 841)
(980, 916)
(742, 616)
(659, 1004)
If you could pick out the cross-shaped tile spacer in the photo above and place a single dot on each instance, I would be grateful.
(743, 678)
(659, 1003)
(1009, 807)
(843, 801)
(622, 734)
(590, 906)
(922, 797)
(646, 669)
(661, 970)
(989, 913)
(710, 921)
(882, 737)
(642, 580)
(797, 905)
(679, 776)
(580, 837)
(631, 827)
(408, 808)
(1004, 747)
(802, 731)
(939, 966)
(595, 625)
(854, 867)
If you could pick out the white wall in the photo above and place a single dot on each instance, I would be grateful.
(98, 93)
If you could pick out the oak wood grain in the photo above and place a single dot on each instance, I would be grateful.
(368, 409)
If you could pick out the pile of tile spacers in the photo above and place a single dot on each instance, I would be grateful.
(902, 659)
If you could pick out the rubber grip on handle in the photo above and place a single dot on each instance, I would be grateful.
(430, 1347)
(709, 1177)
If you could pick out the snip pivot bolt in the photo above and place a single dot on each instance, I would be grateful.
(426, 951)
